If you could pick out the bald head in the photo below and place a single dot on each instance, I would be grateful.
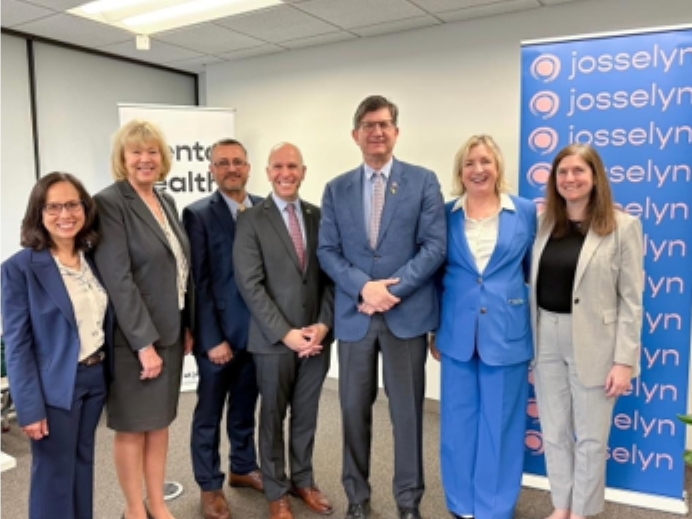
(285, 170)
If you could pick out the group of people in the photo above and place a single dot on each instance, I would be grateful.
(110, 293)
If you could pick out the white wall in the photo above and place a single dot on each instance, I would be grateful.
(449, 81)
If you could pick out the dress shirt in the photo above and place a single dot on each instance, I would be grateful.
(481, 233)
(281, 205)
(233, 205)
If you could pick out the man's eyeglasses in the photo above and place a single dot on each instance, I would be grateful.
(223, 163)
(369, 126)
(73, 207)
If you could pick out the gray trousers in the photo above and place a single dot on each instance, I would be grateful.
(575, 420)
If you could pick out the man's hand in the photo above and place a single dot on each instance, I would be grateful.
(296, 340)
(315, 333)
(36, 430)
(376, 296)
(221, 353)
(189, 341)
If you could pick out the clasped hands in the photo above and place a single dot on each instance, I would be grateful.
(377, 297)
(306, 341)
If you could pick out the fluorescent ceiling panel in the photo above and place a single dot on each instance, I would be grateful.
(154, 16)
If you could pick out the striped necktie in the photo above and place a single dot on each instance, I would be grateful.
(296, 235)
(376, 207)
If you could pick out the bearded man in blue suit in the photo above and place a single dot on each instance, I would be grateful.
(382, 237)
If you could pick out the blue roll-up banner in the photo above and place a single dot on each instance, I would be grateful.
(629, 95)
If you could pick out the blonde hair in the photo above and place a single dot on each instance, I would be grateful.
(138, 132)
(600, 211)
(458, 187)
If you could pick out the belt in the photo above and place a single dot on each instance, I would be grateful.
(94, 358)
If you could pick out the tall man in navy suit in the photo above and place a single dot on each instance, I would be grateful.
(225, 367)
(382, 237)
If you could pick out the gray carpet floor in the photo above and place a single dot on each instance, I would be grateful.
(248, 504)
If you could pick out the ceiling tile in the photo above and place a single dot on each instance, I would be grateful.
(323, 39)
(555, 2)
(439, 6)
(196, 65)
(14, 13)
(76, 30)
(278, 24)
(359, 13)
(58, 5)
(507, 6)
(398, 26)
(209, 38)
(250, 53)
(159, 52)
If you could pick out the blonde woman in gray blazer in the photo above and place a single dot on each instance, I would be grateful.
(144, 255)
(586, 311)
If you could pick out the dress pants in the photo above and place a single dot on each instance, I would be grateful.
(285, 380)
(483, 422)
(403, 367)
(234, 386)
(62, 463)
(575, 420)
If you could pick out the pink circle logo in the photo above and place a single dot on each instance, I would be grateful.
(543, 140)
(532, 408)
(533, 440)
(540, 204)
(544, 104)
(538, 174)
(546, 67)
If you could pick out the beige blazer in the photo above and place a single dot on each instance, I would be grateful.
(606, 299)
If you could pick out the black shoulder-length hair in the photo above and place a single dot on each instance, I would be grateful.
(35, 235)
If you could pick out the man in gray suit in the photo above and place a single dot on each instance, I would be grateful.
(291, 306)
(383, 236)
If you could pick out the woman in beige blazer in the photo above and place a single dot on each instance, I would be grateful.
(587, 283)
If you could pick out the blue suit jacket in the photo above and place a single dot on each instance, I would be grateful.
(40, 333)
(489, 311)
(220, 312)
(411, 246)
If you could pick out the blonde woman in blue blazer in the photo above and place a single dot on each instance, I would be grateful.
(57, 327)
(586, 308)
(484, 339)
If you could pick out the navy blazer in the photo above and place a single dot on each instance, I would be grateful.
(41, 334)
(488, 311)
(220, 312)
(411, 246)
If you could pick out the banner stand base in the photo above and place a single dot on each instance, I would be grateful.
(625, 497)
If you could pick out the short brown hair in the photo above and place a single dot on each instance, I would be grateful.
(227, 142)
(600, 211)
(35, 235)
(458, 187)
(372, 104)
(138, 132)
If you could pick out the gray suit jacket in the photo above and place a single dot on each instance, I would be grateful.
(138, 266)
(280, 297)
(606, 299)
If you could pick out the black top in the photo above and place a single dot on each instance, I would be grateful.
(556, 271)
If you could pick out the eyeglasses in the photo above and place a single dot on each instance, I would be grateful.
(237, 163)
(369, 126)
(73, 207)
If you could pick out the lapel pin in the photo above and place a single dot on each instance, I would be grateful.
(394, 187)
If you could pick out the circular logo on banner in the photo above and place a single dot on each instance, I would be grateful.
(544, 104)
(545, 67)
(540, 204)
(533, 440)
(538, 174)
(543, 140)
(532, 408)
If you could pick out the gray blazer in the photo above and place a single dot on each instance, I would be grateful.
(280, 297)
(606, 299)
(138, 266)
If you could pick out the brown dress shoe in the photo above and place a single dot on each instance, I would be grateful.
(250, 480)
(280, 509)
(214, 505)
(314, 498)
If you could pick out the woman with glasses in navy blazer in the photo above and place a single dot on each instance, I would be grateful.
(57, 329)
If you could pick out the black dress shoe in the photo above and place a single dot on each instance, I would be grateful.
(409, 513)
(358, 510)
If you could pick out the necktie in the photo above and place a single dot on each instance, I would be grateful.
(376, 206)
(296, 235)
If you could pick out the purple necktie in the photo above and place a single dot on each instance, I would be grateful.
(296, 235)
